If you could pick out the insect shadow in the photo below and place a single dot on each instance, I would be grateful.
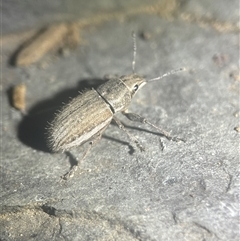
(32, 129)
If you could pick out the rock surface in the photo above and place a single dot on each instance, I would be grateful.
(173, 190)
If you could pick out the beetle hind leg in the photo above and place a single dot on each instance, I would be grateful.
(92, 143)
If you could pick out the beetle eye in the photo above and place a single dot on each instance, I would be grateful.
(135, 87)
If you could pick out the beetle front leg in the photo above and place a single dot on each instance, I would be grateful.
(137, 118)
(133, 139)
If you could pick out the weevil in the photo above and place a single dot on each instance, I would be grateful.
(86, 117)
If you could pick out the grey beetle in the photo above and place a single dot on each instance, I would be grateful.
(86, 117)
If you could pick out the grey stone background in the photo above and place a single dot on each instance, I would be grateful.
(187, 191)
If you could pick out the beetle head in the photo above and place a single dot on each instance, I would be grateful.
(133, 82)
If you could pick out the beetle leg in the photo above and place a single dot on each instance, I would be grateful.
(133, 139)
(92, 143)
(141, 119)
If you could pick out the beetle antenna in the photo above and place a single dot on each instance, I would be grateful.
(168, 73)
(134, 51)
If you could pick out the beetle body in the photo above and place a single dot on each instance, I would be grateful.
(91, 112)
